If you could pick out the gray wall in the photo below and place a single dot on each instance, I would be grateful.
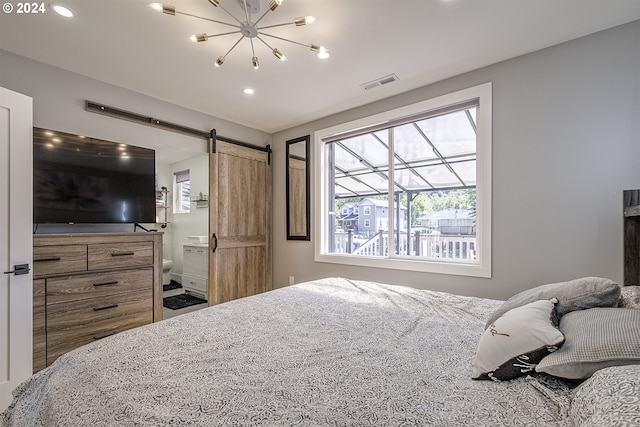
(566, 138)
(58, 104)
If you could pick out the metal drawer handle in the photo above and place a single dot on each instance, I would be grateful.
(53, 258)
(104, 307)
(122, 253)
(114, 282)
(99, 337)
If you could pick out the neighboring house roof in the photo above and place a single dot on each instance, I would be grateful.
(448, 214)
(377, 203)
(348, 217)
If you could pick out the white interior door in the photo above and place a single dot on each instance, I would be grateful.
(16, 241)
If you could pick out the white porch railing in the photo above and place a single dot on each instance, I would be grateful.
(423, 245)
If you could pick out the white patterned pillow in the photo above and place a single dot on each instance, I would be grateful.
(611, 397)
(630, 297)
(596, 338)
(515, 342)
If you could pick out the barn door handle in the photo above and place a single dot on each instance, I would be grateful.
(215, 242)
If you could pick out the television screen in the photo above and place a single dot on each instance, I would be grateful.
(78, 179)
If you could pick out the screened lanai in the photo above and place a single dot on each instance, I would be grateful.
(434, 151)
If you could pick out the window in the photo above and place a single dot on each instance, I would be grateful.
(429, 166)
(182, 192)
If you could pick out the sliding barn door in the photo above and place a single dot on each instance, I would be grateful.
(240, 222)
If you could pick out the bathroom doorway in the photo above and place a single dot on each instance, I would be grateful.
(183, 216)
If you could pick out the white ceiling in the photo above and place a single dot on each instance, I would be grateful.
(126, 43)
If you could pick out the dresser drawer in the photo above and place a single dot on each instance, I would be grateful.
(116, 255)
(59, 259)
(60, 341)
(98, 285)
(84, 312)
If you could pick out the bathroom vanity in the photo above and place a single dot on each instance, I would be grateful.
(89, 286)
(195, 262)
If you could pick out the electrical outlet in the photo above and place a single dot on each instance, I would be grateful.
(291, 280)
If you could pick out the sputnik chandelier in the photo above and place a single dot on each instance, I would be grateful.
(247, 28)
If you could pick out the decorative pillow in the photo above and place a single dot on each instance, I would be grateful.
(596, 338)
(611, 397)
(577, 294)
(515, 342)
(630, 297)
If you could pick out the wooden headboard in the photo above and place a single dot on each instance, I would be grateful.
(631, 237)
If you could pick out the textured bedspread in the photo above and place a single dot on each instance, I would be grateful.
(333, 352)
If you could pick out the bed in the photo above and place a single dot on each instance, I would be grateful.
(333, 352)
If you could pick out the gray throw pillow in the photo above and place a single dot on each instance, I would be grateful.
(577, 294)
(595, 339)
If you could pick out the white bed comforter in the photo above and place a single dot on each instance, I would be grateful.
(332, 352)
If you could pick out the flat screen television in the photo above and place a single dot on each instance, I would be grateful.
(78, 179)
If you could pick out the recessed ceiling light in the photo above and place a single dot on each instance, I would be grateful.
(62, 10)
(248, 91)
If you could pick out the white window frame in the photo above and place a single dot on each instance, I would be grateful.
(367, 210)
(482, 265)
(178, 191)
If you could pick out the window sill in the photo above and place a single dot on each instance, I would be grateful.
(476, 269)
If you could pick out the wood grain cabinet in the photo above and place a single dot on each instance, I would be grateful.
(90, 286)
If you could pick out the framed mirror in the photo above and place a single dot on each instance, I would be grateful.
(298, 227)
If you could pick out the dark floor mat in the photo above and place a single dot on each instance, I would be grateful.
(177, 302)
(172, 285)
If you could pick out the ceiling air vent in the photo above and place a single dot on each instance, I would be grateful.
(379, 82)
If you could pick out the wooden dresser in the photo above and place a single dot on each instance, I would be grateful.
(89, 286)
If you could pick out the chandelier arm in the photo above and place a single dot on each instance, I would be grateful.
(209, 19)
(260, 19)
(265, 43)
(233, 47)
(283, 39)
(253, 52)
(276, 25)
(230, 14)
(222, 34)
